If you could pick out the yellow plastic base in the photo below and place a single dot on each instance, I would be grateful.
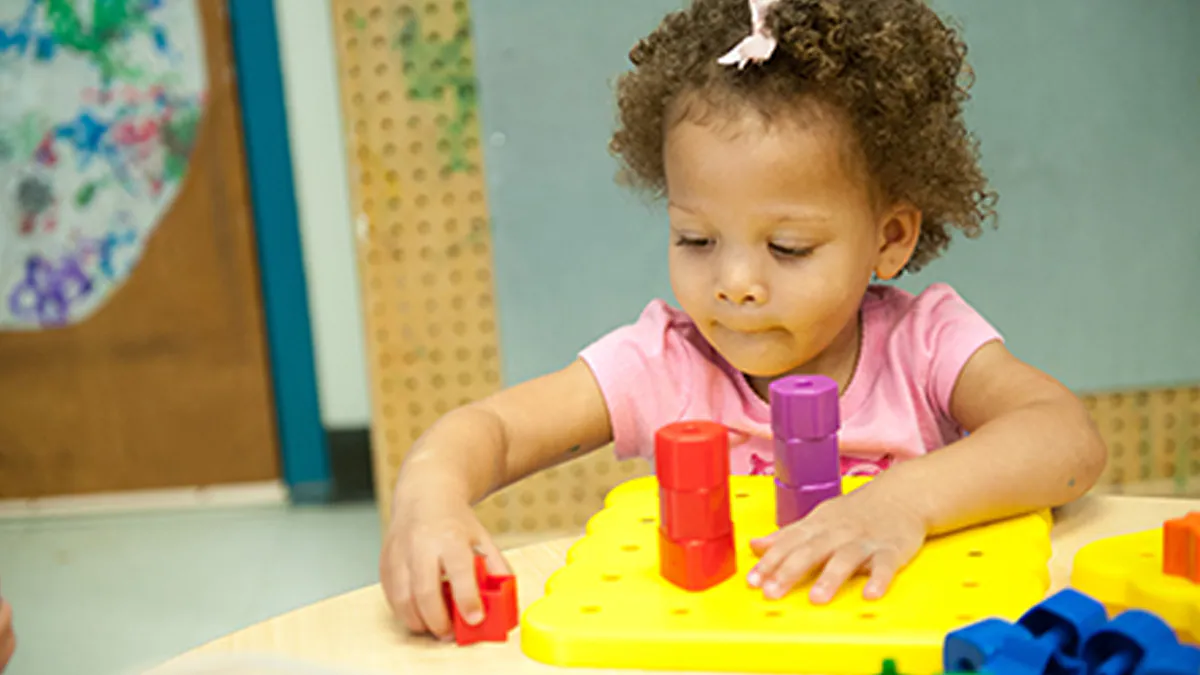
(610, 608)
(1126, 573)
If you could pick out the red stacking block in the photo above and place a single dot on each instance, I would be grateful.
(1181, 547)
(692, 456)
(696, 564)
(696, 527)
(500, 616)
(695, 514)
(695, 536)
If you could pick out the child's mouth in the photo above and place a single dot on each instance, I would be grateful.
(745, 329)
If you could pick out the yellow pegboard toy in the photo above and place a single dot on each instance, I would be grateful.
(1125, 572)
(610, 608)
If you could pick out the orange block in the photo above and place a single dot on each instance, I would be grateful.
(1181, 547)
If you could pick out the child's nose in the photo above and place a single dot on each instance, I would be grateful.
(748, 296)
(739, 282)
(741, 290)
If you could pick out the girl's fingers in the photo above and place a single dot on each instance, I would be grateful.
(397, 587)
(427, 595)
(842, 565)
(884, 565)
(407, 604)
(781, 544)
(797, 565)
(412, 619)
(398, 590)
(496, 562)
(761, 545)
(458, 559)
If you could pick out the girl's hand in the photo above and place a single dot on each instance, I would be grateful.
(429, 536)
(8, 640)
(866, 530)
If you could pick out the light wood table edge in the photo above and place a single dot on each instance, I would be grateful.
(355, 634)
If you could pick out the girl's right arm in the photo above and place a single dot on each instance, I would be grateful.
(466, 455)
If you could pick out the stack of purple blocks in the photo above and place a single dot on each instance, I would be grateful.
(805, 422)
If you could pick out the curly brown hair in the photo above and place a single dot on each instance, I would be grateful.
(891, 69)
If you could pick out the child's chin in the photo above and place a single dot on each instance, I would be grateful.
(766, 374)
(761, 367)
(756, 356)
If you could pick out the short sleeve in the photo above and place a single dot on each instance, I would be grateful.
(951, 331)
(641, 371)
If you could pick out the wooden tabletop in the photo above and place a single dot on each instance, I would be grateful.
(354, 634)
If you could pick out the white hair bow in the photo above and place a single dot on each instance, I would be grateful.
(759, 45)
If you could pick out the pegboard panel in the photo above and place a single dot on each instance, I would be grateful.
(409, 105)
(1153, 439)
(560, 499)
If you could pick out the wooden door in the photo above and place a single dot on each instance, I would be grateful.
(168, 384)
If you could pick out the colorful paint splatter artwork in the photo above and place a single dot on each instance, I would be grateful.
(101, 104)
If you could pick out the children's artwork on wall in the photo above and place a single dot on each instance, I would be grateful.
(101, 102)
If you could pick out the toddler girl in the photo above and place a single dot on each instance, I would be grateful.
(807, 150)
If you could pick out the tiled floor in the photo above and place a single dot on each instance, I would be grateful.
(118, 593)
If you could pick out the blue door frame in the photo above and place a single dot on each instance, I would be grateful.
(304, 452)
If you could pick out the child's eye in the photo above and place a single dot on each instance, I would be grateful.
(790, 252)
(693, 242)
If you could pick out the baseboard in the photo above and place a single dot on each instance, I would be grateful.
(351, 473)
(219, 496)
(351, 480)
(311, 492)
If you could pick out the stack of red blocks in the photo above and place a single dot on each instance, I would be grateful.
(695, 536)
(1181, 547)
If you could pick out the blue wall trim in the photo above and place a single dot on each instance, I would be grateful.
(303, 446)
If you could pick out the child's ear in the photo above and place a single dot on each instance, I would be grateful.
(899, 232)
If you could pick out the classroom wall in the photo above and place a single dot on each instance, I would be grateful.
(1087, 115)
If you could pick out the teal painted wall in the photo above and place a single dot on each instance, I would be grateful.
(1089, 119)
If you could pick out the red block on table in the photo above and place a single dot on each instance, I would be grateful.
(1181, 547)
(696, 564)
(500, 614)
(695, 514)
(692, 455)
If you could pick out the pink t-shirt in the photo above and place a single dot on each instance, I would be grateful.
(660, 370)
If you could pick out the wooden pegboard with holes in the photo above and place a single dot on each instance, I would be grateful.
(1153, 439)
(559, 500)
(423, 242)
(409, 102)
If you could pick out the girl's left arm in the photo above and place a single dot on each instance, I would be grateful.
(1030, 445)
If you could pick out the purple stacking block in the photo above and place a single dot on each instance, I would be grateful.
(805, 421)
(800, 462)
(792, 503)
